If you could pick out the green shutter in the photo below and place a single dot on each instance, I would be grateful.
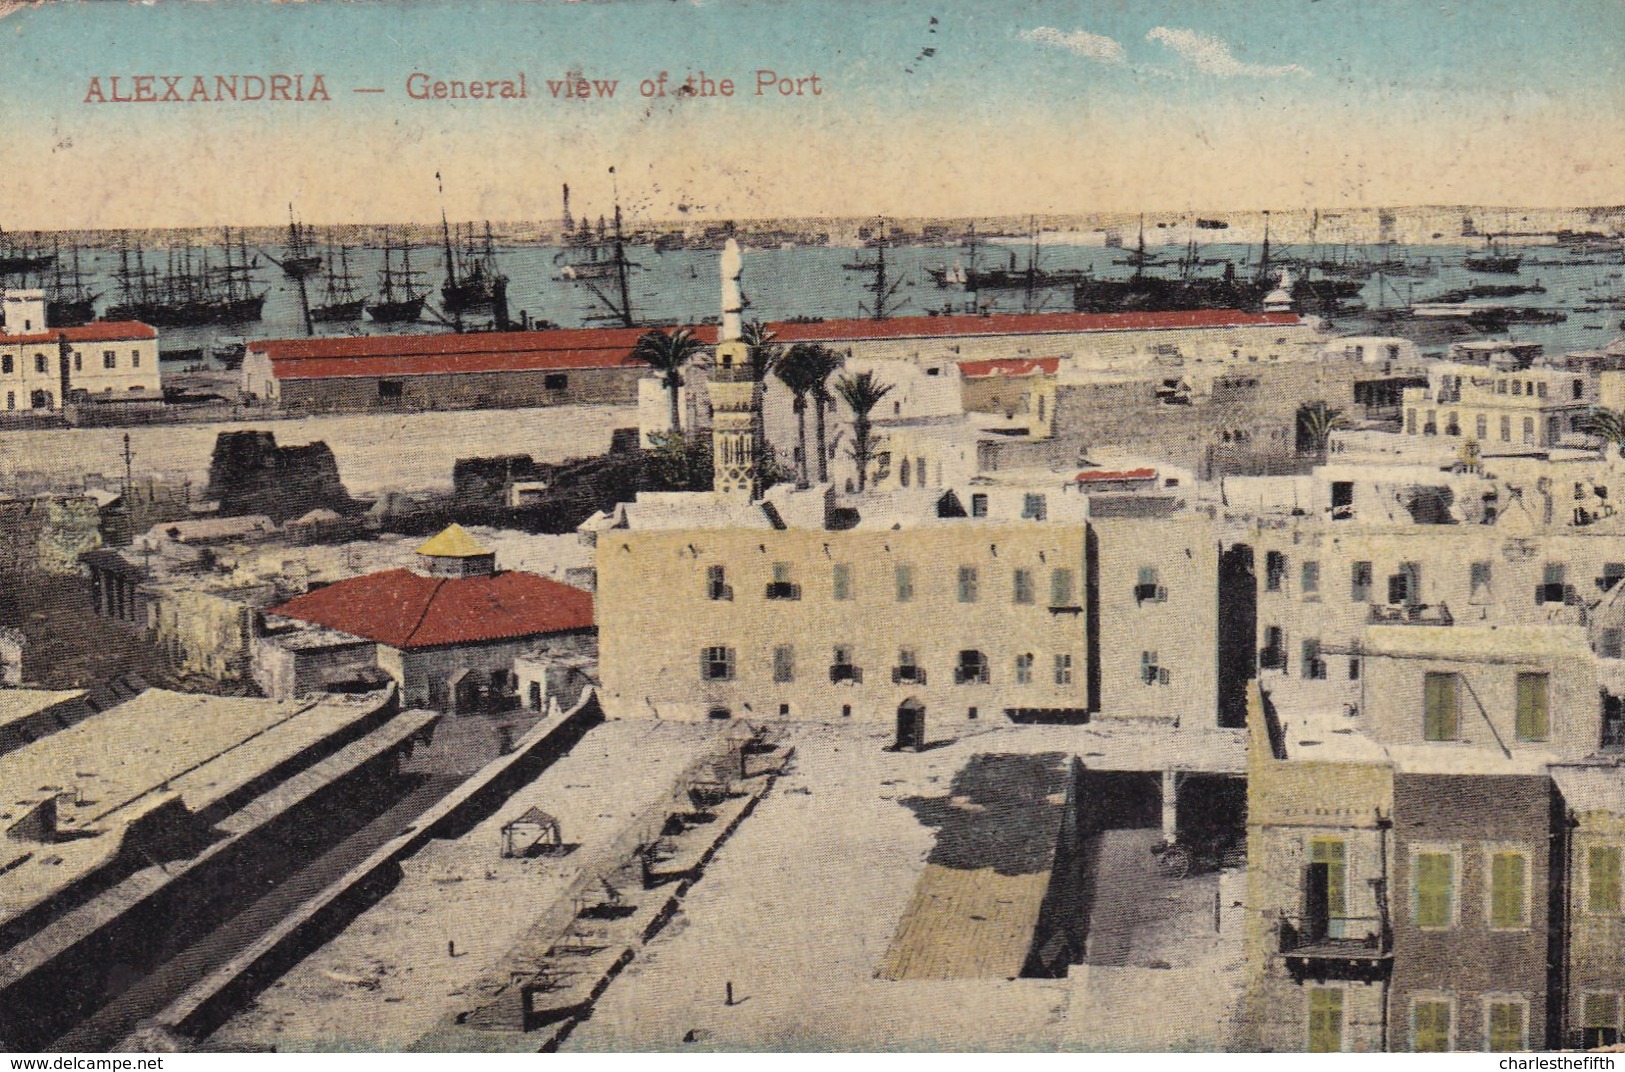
(1325, 1020)
(1506, 1027)
(1532, 707)
(1603, 880)
(1334, 854)
(1506, 890)
(1435, 889)
(1432, 1033)
(1439, 707)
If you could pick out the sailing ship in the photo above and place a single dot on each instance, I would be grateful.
(189, 292)
(20, 259)
(400, 299)
(605, 277)
(340, 301)
(473, 282)
(1495, 259)
(298, 259)
(68, 302)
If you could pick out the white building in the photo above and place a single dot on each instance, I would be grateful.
(100, 362)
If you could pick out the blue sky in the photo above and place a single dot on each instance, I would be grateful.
(1023, 106)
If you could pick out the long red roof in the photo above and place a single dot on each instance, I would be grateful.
(1008, 366)
(95, 331)
(597, 348)
(407, 610)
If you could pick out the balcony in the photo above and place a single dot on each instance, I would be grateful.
(1411, 614)
(1351, 948)
(845, 673)
(908, 675)
(783, 590)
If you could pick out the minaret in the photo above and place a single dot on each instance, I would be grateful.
(735, 394)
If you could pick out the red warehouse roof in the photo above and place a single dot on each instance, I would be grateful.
(1008, 366)
(1096, 475)
(407, 610)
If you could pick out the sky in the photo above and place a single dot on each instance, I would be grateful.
(925, 108)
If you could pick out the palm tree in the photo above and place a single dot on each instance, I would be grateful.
(668, 354)
(862, 393)
(763, 352)
(822, 363)
(1607, 424)
(797, 370)
(1316, 423)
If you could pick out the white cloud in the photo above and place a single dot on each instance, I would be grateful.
(1211, 55)
(1090, 46)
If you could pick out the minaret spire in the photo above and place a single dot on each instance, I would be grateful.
(735, 394)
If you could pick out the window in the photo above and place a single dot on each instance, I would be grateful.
(905, 583)
(842, 668)
(1325, 1020)
(6, 364)
(1506, 429)
(1024, 668)
(1354, 668)
(1509, 872)
(784, 664)
(1309, 582)
(1579, 389)
(907, 669)
(1481, 427)
(1504, 1027)
(903, 472)
(1430, 1025)
(11, 399)
(1332, 853)
(1360, 582)
(841, 579)
(1147, 589)
(1151, 670)
(1533, 707)
(1063, 669)
(716, 583)
(1439, 707)
(782, 587)
(135, 358)
(389, 390)
(1553, 584)
(717, 664)
(1529, 431)
(1479, 578)
(1314, 667)
(1602, 880)
(1060, 589)
(972, 669)
(1600, 1021)
(978, 505)
(1034, 506)
(39, 363)
(1612, 572)
(1434, 890)
(1021, 586)
(1540, 389)
(109, 360)
(1274, 571)
(1273, 656)
(967, 584)
(1410, 422)
(78, 361)
(556, 381)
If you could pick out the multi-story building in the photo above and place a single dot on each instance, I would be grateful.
(43, 367)
(1497, 395)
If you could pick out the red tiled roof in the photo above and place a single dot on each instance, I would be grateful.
(1089, 475)
(1008, 366)
(407, 610)
(96, 331)
(590, 348)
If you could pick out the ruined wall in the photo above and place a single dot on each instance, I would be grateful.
(250, 474)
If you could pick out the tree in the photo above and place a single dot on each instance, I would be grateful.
(822, 363)
(798, 369)
(762, 353)
(679, 462)
(862, 393)
(668, 354)
(1606, 424)
(1316, 423)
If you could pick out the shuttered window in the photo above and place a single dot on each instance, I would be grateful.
(1532, 707)
(1439, 708)
(1507, 908)
(1430, 1026)
(1506, 1026)
(1334, 854)
(1602, 880)
(1325, 1020)
(1435, 889)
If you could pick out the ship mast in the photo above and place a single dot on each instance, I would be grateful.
(878, 287)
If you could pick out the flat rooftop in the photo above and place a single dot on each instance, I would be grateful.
(18, 704)
(389, 977)
(117, 765)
